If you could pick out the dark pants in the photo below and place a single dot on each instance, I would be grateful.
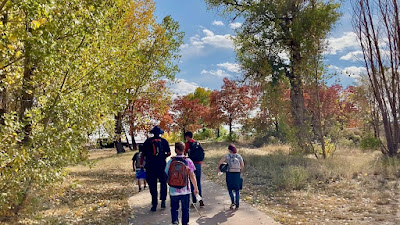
(233, 183)
(232, 198)
(184, 199)
(197, 172)
(152, 177)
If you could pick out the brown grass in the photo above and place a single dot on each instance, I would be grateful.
(350, 187)
(92, 193)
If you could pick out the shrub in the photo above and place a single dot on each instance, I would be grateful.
(292, 177)
(369, 143)
(172, 137)
(204, 134)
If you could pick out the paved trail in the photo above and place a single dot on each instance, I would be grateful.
(216, 211)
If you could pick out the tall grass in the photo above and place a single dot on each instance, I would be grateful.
(272, 168)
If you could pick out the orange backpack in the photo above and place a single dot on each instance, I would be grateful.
(178, 173)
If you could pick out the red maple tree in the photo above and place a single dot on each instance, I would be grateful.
(233, 102)
(186, 113)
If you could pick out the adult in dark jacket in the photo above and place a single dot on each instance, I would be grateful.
(156, 150)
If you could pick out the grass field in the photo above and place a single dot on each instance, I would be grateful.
(351, 187)
(93, 193)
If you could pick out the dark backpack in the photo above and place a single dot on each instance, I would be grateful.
(196, 152)
(178, 173)
(157, 147)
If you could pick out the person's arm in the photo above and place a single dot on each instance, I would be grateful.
(220, 162)
(166, 145)
(241, 163)
(194, 182)
(143, 154)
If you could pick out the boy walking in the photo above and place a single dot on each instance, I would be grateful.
(179, 170)
(139, 169)
(196, 154)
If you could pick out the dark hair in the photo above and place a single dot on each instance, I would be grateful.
(179, 146)
(189, 134)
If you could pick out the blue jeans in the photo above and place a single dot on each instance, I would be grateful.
(197, 172)
(184, 199)
(232, 198)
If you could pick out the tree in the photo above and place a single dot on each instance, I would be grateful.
(202, 94)
(148, 109)
(186, 114)
(235, 102)
(213, 116)
(65, 68)
(278, 40)
(375, 21)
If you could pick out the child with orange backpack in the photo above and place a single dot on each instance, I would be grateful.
(179, 170)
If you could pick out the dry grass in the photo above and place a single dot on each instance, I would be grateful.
(352, 187)
(94, 193)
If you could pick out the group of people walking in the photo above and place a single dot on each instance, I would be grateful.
(182, 173)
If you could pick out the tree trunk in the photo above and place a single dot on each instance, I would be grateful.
(27, 95)
(3, 104)
(134, 144)
(218, 132)
(118, 131)
(299, 114)
(230, 128)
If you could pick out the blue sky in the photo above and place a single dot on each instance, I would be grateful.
(208, 55)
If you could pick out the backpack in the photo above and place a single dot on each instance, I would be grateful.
(196, 152)
(137, 157)
(178, 173)
(157, 146)
(234, 163)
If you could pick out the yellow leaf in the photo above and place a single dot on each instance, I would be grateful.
(35, 24)
(18, 54)
(42, 21)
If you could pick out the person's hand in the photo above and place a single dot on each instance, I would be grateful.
(196, 191)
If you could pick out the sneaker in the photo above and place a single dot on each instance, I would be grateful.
(140, 189)
(201, 203)
(175, 223)
(232, 206)
(237, 207)
(163, 204)
(153, 208)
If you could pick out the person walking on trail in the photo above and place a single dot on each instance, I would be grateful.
(156, 150)
(138, 167)
(179, 170)
(234, 180)
(196, 154)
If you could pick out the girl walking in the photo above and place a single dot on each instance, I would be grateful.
(233, 175)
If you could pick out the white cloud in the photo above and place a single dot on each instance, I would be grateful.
(348, 40)
(353, 56)
(231, 67)
(217, 23)
(235, 25)
(198, 44)
(183, 87)
(218, 41)
(218, 73)
(354, 71)
(333, 67)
